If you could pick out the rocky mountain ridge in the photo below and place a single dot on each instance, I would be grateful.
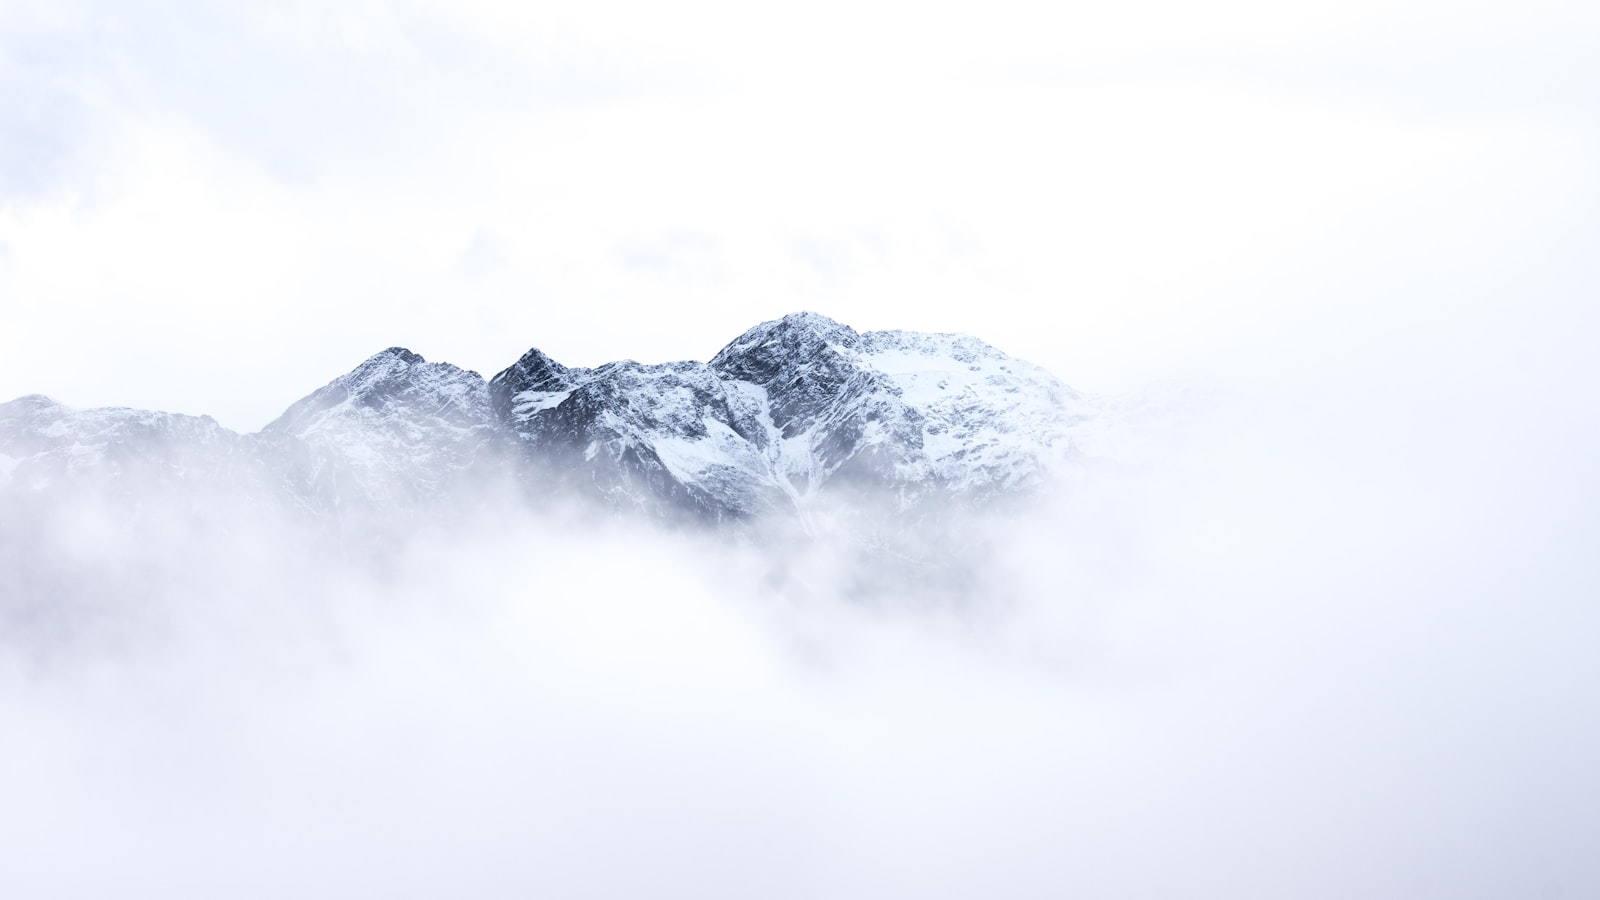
(790, 414)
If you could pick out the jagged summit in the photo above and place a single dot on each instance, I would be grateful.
(532, 380)
(762, 352)
(790, 410)
(536, 371)
(789, 414)
(395, 427)
(400, 353)
(795, 328)
(394, 381)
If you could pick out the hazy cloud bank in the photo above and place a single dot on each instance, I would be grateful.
(1331, 638)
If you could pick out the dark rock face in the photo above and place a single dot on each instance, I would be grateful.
(666, 438)
(800, 362)
(794, 413)
(534, 372)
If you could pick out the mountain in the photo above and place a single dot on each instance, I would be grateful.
(46, 445)
(789, 412)
(396, 430)
(795, 415)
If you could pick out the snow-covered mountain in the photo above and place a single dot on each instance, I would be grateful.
(46, 445)
(794, 413)
(394, 431)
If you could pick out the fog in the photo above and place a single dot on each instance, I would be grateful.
(1328, 634)
(203, 206)
(1316, 618)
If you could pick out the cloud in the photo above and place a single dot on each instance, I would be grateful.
(1326, 639)
(208, 187)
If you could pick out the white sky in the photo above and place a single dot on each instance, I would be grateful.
(1337, 645)
(213, 208)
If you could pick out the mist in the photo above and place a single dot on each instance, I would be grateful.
(1327, 634)
(1314, 615)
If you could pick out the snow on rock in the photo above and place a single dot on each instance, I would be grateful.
(794, 413)
(789, 410)
(47, 443)
(667, 437)
(394, 430)
(985, 419)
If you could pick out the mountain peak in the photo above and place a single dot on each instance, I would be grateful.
(767, 349)
(33, 402)
(803, 325)
(789, 407)
(395, 376)
(535, 372)
(400, 353)
(808, 319)
(379, 368)
(393, 359)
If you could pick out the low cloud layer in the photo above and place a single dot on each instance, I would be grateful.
(1321, 625)
(1324, 639)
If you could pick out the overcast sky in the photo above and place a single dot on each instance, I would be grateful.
(215, 208)
(1337, 645)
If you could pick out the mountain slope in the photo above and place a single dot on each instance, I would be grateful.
(796, 414)
(114, 450)
(790, 411)
(395, 430)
